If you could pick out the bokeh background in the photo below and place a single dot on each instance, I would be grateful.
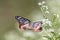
(31, 10)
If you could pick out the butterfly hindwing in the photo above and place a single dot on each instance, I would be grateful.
(37, 26)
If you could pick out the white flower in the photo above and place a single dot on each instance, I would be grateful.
(47, 12)
(50, 23)
(46, 21)
(43, 2)
(39, 3)
(59, 33)
(57, 16)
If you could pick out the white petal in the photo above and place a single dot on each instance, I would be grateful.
(43, 2)
(57, 16)
(39, 3)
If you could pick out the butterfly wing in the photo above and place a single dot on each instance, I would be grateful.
(23, 22)
(37, 26)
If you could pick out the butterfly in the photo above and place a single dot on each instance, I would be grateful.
(25, 24)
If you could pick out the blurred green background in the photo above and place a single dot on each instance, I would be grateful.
(26, 8)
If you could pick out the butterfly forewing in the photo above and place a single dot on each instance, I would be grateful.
(23, 22)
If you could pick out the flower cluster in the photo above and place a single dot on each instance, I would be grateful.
(45, 12)
(44, 8)
(52, 33)
(41, 3)
(47, 21)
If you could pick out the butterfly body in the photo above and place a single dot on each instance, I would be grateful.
(25, 24)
